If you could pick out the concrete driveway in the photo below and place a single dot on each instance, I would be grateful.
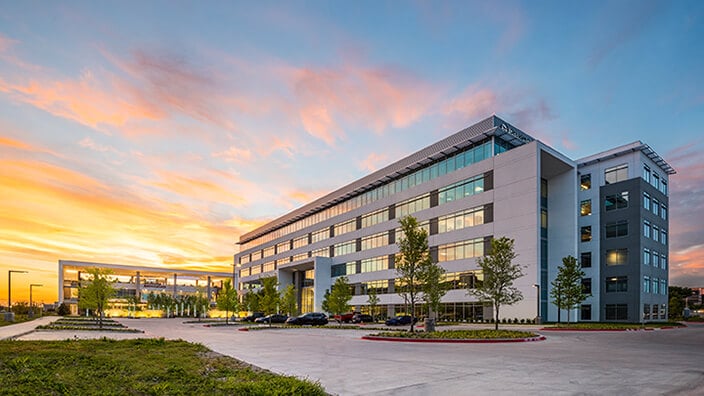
(614, 363)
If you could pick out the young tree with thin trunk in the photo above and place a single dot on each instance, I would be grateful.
(412, 261)
(96, 293)
(227, 299)
(373, 300)
(338, 301)
(433, 288)
(567, 290)
(269, 296)
(288, 301)
(499, 273)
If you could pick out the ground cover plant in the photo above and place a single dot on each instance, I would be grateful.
(86, 324)
(134, 367)
(460, 334)
(18, 319)
(611, 326)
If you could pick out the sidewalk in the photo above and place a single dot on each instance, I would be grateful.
(10, 331)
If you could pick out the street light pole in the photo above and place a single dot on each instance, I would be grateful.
(9, 287)
(31, 307)
(538, 319)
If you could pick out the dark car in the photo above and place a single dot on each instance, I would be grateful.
(362, 318)
(273, 318)
(311, 318)
(400, 320)
(254, 316)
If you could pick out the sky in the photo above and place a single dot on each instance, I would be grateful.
(155, 133)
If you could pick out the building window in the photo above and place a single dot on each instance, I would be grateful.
(616, 201)
(283, 247)
(616, 174)
(663, 211)
(646, 284)
(375, 264)
(663, 261)
(617, 229)
(616, 257)
(459, 220)
(299, 256)
(585, 182)
(646, 173)
(347, 226)
(585, 207)
(616, 312)
(646, 201)
(656, 283)
(663, 187)
(646, 256)
(320, 235)
(656, 233)
(587, 285)
(586, 260)
(646, 311)
(322, 252)
(345, 248)
(656, 181)
(270, 266)
(617, 284)
(586, 234)
(269, 251)
(586, 312)
(646, 228)
(300, 241)
(375, 241)
(380, 216)
(461, 250)
(663, 236)
(656, 259)
(663, 287)
(656, 207)
(459, 190)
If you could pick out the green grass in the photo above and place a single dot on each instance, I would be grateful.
(18, 319)
(134, 367)
(87, 324)
(460, 334)
(610, 326)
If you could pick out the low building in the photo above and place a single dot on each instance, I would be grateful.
(139, 282)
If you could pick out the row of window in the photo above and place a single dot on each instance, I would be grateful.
(659, 209)
(469, 156)
(620, 257)
(652, 231)
(466, 187)
(450, 281)
(461, 250)
(611, 202)
(620, 312)
(659, 286)
(656, 311)
(654, 258)
(654, 179)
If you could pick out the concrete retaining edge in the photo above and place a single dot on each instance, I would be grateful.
(454, 341)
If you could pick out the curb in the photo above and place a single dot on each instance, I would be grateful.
(454, 341)
(243, 329)
(609, 330)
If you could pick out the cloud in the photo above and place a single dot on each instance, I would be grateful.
(234, 154)
(378, 98)
(372, 162)
(687, 215)
(88, 143)
(6, 43)
(471, 103)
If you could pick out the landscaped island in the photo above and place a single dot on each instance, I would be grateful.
(141, 366)
(457, 336)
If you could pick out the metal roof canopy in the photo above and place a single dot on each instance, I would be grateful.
(645, 149)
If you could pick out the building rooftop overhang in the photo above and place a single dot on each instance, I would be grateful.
(121, 269)
(627, 149)
(491, 126)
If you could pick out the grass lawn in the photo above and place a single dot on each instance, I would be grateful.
(18, 319)
(135, 367)
(73, 323)
(460, 334)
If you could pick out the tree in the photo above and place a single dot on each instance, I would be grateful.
(250, 301)
(567, 290)
(499, 273)
(63, 310)
(373, 301)
(339, 298)
(326, 301)
(412, 262)
(269, 296)
(288, 301)
(227, 299)
(433, 288)
(676, 302)
(96, 293)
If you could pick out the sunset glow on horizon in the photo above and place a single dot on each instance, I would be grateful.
(155, 137)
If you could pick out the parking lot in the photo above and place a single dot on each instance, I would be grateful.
(641, 362)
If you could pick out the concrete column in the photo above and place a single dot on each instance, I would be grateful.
(175, 279)
(207, 290)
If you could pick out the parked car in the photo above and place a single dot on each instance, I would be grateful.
(273, 318)
(362, 318)
(252, 317)
(311, 318)
(346, 317)
(400, 320)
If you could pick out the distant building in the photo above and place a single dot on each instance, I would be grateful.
(609, 210)
(133, 281)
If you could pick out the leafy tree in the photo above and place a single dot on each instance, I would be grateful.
(567, 290)
(676, 303)
(250, 301)
(96, 293)
(63, 310)
(433, 288)
(269, 296)
(339, 298)
(499, 273)
(288, 301)
(412, 262)
(326, 302)
(227, 299)
(373, 300)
